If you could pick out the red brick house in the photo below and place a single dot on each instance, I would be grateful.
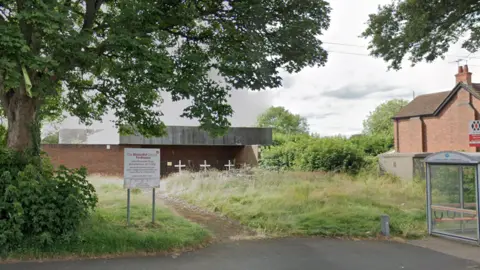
(439, 121)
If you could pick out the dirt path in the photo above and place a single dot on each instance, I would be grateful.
(222, 228)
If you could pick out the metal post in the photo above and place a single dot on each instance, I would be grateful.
(128, 207)
(477, 197)
(385, 225)
(429, 200)
(153, 205)
(462, 202)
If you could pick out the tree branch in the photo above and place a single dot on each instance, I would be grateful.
(24, 27)
(92, 7)
(3, 16)
(184, 35)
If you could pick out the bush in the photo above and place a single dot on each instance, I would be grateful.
(333, 154)
(40, 205)
(372, 145)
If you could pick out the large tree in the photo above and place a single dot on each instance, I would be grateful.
(91, 56)
(379, 122)
(283, 121)
(422, 29)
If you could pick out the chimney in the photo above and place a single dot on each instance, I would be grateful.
(463, 75)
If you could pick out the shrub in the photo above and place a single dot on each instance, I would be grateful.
(283, 154)
(38, 204)
(372, 145)
(334, 154)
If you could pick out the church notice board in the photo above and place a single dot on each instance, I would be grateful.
(141, 168)
(474, 133)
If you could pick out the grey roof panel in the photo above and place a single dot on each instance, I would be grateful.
(192, 135)
(452, 157)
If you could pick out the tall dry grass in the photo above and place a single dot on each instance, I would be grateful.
(300, 203)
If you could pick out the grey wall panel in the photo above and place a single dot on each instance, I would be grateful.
(185, 135)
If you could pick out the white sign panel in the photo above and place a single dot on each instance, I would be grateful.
(141, 168)
(474, 133)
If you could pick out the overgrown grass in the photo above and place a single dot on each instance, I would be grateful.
(295, 203)
(106, 232)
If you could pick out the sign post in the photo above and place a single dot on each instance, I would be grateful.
(474, 133)
(141, 169)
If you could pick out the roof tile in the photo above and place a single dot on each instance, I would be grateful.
(424, 104)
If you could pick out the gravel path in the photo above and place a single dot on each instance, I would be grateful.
(222, 228)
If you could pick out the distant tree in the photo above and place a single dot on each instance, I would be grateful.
(52, 138)
(89, 57)
(422, 29)
(283, 121)
(379, 122)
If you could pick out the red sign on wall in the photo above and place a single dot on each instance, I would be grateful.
(474, 134)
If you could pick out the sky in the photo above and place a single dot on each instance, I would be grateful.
(337, 97)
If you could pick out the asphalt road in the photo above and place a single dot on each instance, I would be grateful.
(278, 254)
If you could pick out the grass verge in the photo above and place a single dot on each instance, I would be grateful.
(106, 234)
(295, 203)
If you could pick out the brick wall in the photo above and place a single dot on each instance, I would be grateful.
(447, 131)
(96, 158)
(410, 135)
(100, 160)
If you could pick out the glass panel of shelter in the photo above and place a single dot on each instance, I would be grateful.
(453, 200)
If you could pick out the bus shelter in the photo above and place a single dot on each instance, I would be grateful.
(452, 195)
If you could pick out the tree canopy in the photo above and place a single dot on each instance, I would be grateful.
(283, 121)
(379, 122)
(52, 138)
(91, 56)
(422, 29)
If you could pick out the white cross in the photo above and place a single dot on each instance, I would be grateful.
(229, 165)
(180, 166)
(204, 165)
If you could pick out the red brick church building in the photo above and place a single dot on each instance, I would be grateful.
(184, 147)
(439, 121)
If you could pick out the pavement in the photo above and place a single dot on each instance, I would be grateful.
(278, 254)
(452, 247)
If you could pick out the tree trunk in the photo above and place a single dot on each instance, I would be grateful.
(21, 111)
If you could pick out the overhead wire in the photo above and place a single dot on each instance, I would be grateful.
(363, 46)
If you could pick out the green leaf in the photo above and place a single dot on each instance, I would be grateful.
(121, 56)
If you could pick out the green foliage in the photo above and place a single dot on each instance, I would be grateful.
(89, 57)
(445, 183)
(52, 138)
(3, 135)
(282, 121)
(332, 154)
(293, 149)
(423, 30)
(38, 204)
(379, 122)
(372, 145)
(105, 232)
(280, 138)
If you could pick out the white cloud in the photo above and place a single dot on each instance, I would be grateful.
(349, 70)
(319, 93)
